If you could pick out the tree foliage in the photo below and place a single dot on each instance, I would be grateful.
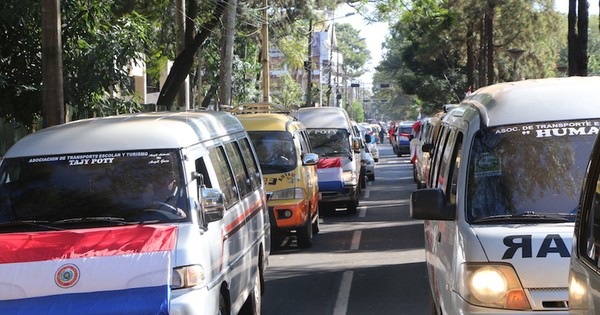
(438, 49)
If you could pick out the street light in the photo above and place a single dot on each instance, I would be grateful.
(515, 54)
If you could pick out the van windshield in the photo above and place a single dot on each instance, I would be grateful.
(93, 189)
(275, 150)
(330, 142)
(528, 172)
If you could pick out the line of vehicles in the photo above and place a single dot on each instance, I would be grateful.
(168, 212)
(508, 190)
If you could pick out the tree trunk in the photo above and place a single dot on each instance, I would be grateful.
(226, 67)
(582, 37)
(489, 35)
(470, 56)
(572, 38)
(482, 54)
(184, 61)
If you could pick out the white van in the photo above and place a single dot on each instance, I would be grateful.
(156, 213)
(504, 186)
(584, 277)
(332, 136)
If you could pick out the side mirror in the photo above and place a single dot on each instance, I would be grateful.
(426, 147)
(410, 137)
(310, 159)
(213, 203)
(431, 204)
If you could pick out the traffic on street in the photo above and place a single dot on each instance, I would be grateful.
(371, 262)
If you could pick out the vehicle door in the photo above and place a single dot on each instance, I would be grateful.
(441, 235)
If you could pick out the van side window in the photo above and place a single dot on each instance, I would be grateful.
(436, 163)
(590, 235)
(224, 176)
(304, 147)
(201, 168)
(240, 172)
(454, 165)
(250, 163)
(444, 165)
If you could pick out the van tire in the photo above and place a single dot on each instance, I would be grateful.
(253, 303)
(276, 238)
(315, 225)
(304, 234)
(353, 207)
(223, 307)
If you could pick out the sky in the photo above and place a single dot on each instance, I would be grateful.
(375, 33)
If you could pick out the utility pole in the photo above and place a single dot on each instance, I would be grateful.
(308, 65)
(227, 39)
(265, 54)
(53, 110)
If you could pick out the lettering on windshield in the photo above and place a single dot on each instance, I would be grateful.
(101, 158)
(545, 130)
(552, 243)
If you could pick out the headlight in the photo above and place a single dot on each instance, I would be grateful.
(187, 277)
(292, 193)
(349, 176)
(577, 292)
(493, 285)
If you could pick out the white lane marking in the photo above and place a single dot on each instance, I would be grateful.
(366, 194)
(341, 304)
(363, 212)
(355, 240)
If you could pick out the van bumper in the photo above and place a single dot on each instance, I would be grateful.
(289, 214)
(192, 302)
(348, 195)
(460, 306)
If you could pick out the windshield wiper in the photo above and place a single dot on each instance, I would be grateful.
(335, 153)
(528, 216)
(92, 219)
(35, 223)
(277, 167)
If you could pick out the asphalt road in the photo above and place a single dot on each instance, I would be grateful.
(371, 262)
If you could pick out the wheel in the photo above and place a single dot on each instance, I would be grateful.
(353, 207)
(432, 306)
(315, 225)
(304, 234)
(363, 182)
(253, 304)
(276, 238)
(223, 309)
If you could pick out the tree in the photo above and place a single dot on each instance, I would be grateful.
(287, 92)
(578, 37)
(100, 40)
(441, 48)
(353, 48)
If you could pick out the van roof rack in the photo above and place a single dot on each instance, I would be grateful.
(260, 108)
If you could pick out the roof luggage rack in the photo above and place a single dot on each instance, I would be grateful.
(260, 108)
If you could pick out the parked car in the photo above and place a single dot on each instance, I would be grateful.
(422, 145)
(403, 133)
(289, 171)
(151, 213)
(505, 182)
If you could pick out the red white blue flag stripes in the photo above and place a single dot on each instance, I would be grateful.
(123, 270)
